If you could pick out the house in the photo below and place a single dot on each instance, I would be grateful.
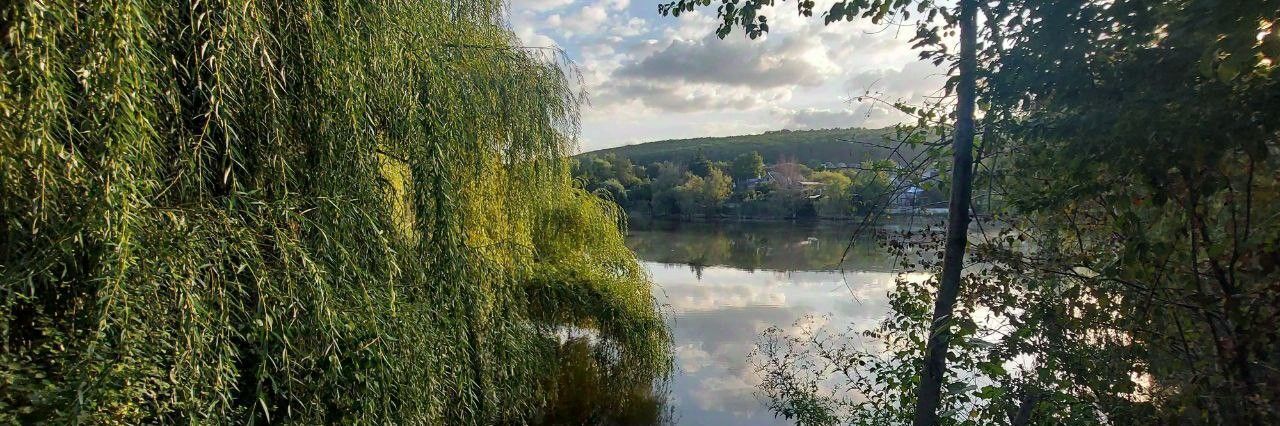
(746, 184)
(784, 181)
(910, 197)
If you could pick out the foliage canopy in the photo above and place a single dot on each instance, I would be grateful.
(302, 211)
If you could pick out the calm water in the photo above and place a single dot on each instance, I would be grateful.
(726, 283)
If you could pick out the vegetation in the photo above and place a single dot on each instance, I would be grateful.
(808, 147)
(304, 212)
(706, 189)
(586, 391)
(1132, 279)
(748, 166)
(756, 246)
(314, 212)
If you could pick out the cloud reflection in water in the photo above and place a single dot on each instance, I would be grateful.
(725, 284)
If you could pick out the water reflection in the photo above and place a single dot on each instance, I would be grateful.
(726, 283)
(590, 387)
(774, 246)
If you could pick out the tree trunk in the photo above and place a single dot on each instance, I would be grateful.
(1026, 405)
(929, 395)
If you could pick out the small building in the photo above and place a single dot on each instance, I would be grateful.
(910, 197)
(751, 183)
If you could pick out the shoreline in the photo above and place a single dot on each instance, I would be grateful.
(888, 217)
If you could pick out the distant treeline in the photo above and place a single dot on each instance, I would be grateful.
(808, 147)
(747, 187)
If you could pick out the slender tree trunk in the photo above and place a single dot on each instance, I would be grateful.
(1026, 405)
(929, 395)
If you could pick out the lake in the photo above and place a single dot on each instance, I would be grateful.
(723, 284)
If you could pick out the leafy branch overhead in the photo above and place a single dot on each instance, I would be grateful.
(1128, 149)
(749, 15)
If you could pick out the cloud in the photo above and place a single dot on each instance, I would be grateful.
(717, 297)
(731, 393)
(647, 96)
(820, 118)
(692, 358)
(530, 38)
(739, 63)
(734, 127)
(912, 82)
(729, 333)
(585, 22)
(539, 5)
(871, 94)
(631, 28)
(641, 68)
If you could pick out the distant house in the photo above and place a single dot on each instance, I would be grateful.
(910, 197)
(784, 181)
(751, 183)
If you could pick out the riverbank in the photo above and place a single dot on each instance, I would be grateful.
(888, 216)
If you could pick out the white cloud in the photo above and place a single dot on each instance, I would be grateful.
(911, 82)
(692, 358)
(641, 69)
(539, 5)
(585, 22)
(717, 297)
(658, 97)
(735, 394)
(730, 62)
(530, 38)
(820, 118)
(633, 27)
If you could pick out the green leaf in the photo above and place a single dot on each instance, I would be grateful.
(992, 368)
(1271, 46)
(1230, 68)
(990, 392)
(1206, 62)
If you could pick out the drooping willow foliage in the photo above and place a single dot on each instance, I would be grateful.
(295, 210)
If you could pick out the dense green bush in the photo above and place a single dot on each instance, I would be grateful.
(300, 211)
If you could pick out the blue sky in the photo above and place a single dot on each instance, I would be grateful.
(651, 77)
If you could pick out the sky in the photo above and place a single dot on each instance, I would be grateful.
(651, 77)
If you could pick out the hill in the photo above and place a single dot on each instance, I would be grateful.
(810, 147)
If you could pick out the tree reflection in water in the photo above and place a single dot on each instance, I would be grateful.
(751, 246)
(590, 386)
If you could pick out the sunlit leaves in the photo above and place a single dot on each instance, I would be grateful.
(298, 212)
(746, 14)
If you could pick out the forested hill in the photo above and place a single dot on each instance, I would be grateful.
(810, 147)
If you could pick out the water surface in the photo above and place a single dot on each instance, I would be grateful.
(724, 284)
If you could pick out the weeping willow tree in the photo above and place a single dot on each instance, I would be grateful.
(295, 210)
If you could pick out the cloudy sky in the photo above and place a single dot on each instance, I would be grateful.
(651, 77)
